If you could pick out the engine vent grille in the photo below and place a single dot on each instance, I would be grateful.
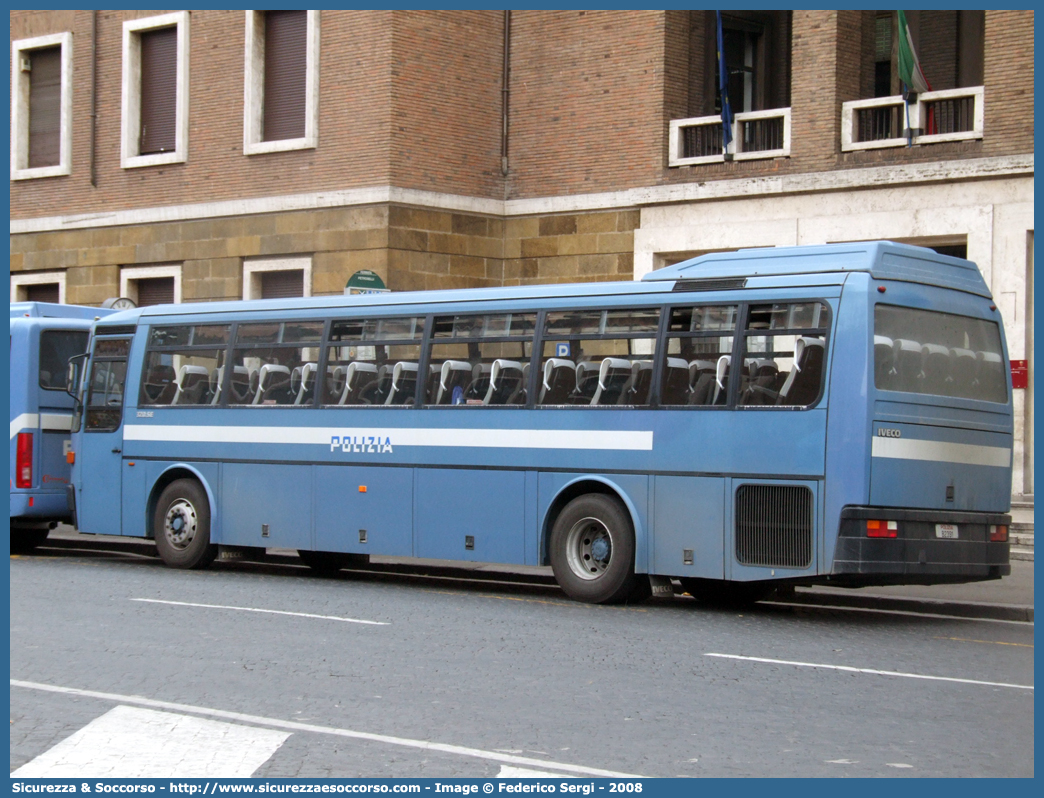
(710, 284)
(774, 525)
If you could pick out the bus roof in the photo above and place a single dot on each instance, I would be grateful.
(50, 310)
(884, 260)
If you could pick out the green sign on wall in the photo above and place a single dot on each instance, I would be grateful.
(365, 281)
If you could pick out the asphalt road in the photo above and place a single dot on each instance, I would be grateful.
(456, 679)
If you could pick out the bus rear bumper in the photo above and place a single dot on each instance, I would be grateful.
(919, 553)
(45, 506)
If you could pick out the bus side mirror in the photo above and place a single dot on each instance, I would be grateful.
(72, 375)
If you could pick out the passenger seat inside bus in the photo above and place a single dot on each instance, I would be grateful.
(505, 383)
(452, 375)
(676, 384)
(806, 375)
(192, 382)
(479, 385)
(586, 383)
(721, 380)
(403, 384)
(302, 381)
(559, 381)
(240, 384)
(907, 358)
(614, 375)
(161, 385)
(273, 385)
(357, 377)
(884, 362)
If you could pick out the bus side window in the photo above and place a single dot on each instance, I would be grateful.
(784, 354)
(598, 358)
(699, 356)
(56, 347)
(104, 407)
(479, 360)
(275, 363)
(371, 362)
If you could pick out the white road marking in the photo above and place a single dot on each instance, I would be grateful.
(259, 720)
(803, 605)
(256, 609)
(508, 772)
(898, 765)
(617, 440)
(873, 671)
(131, 742)
(842, 761)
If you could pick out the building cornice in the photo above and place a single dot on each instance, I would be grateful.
(742, 188)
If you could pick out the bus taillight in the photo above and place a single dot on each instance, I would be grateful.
(998, 533)
(24, 461)
(882, 529)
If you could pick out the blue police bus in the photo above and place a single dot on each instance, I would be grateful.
(43, 338)
(738, 421)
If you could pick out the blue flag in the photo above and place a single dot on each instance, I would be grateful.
(723, 88)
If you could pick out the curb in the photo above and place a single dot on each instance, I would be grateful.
(801, 596)
(963, 609)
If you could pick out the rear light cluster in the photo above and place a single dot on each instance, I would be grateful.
(24, 461)
(998, 533)
(882, 529)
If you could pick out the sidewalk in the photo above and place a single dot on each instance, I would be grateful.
(1009, 598)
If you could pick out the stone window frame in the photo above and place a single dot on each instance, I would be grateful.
(253, 88)
(253, 267)
(20, 108)
(129, 276)
(20, 280)
(131, 91)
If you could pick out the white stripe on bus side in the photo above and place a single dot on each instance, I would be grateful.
(621, 440)
(56, 422)
(941, 452)
(24, 421)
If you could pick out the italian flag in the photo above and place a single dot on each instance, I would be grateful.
(909, 67)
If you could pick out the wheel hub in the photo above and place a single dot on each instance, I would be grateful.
(589, 548)
(180, 524)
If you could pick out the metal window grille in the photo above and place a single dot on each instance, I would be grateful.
(774, 525)
(282, 284)
(760, 135)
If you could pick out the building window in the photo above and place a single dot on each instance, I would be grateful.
(151, 285)
(38, 287)
(155, 90)
(41, 106)
(277, 278)
(281, 94)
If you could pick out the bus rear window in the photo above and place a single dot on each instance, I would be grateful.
(56, 347)
(942, 354)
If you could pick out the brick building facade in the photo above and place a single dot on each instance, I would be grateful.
(474, 148)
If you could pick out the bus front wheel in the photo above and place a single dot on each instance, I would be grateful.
(592, 550)
(181, 526)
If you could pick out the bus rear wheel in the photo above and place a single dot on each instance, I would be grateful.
(720, 593)
(181, 526)
(328, 563)
(592, 551)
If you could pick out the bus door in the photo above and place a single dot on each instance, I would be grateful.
(99, 452)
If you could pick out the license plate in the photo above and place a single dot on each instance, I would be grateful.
(948, 531)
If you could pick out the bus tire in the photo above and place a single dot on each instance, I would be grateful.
(181, 526)
(720, 593)
(592, 550)
(328, 563)
(25, 541)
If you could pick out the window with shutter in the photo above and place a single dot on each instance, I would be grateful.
(282, 284)
(42, 292)
(45, 107)
(159, 91)
(285, 74)
(41, 106)
(155, 291)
